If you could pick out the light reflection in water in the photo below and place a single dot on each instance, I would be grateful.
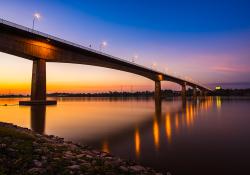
(218, 102)
(168, 127)
(176, 121)
(38, 117)
(137, 142)
(105, 146)
(188, 115)
(156, 133)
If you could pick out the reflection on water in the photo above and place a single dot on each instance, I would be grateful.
(175, 134)
(38, 116)
(218, 102)
(156, 133)
(168, 127)
(137, 142)
(105, 146)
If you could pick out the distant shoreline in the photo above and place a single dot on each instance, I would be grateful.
(165, 93)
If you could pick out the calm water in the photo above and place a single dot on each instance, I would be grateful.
(202, 136)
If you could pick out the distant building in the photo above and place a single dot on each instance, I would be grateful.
(218, 88)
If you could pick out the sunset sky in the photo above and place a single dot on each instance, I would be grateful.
(207, 40)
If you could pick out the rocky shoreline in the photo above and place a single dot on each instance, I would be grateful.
(23, 151)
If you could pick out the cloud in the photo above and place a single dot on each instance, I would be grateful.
(231, 69)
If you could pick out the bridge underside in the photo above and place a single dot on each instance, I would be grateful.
(40, 50)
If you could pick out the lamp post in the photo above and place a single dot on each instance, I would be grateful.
(36, 16)
(134, 58)
(103, 45)
(154, 65)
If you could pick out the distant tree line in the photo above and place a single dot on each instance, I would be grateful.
(165, 93)
(231, 92)
(116, 94)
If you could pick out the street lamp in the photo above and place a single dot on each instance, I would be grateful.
(103, 45)
(154, 65)
(134, 58)
(36, 16)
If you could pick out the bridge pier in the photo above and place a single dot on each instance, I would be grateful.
(183, 90)
(38, 85)
(202, 93)
(157, 90)
(195, 91)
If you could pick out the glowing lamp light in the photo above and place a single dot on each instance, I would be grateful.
(37, 16)
(104, 43)
(218, 88)
(160, 77)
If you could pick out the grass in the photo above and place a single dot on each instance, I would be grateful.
(10, 132)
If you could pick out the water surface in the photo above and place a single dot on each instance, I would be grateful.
(196, 136)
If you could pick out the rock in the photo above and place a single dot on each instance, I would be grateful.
(89, 156)
(123, 168)
(72, 147)
(74, 167)
(37, 163)
(86, 165)
(104, 154)
(2, 145)
(38, 151)
(95, 152)
(137, 168)
(11, 150)
(80, 156)
(93, 162)
(36, 170)
(44, 158)
(110, 173)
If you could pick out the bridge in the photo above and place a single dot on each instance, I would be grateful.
(41, 48)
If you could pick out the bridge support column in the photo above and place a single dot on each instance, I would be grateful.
(183, 90)
(195, 91)
(158, 98)
(205, 93)
(38, 85)
(202, 93)
(157, 90)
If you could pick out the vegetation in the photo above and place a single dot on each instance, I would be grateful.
(165, 93)
(231, 92)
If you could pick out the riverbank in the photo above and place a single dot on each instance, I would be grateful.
(23, 151)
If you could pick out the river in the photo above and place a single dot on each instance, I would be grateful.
(197, 136)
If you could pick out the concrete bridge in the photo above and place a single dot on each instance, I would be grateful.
(41, 48)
